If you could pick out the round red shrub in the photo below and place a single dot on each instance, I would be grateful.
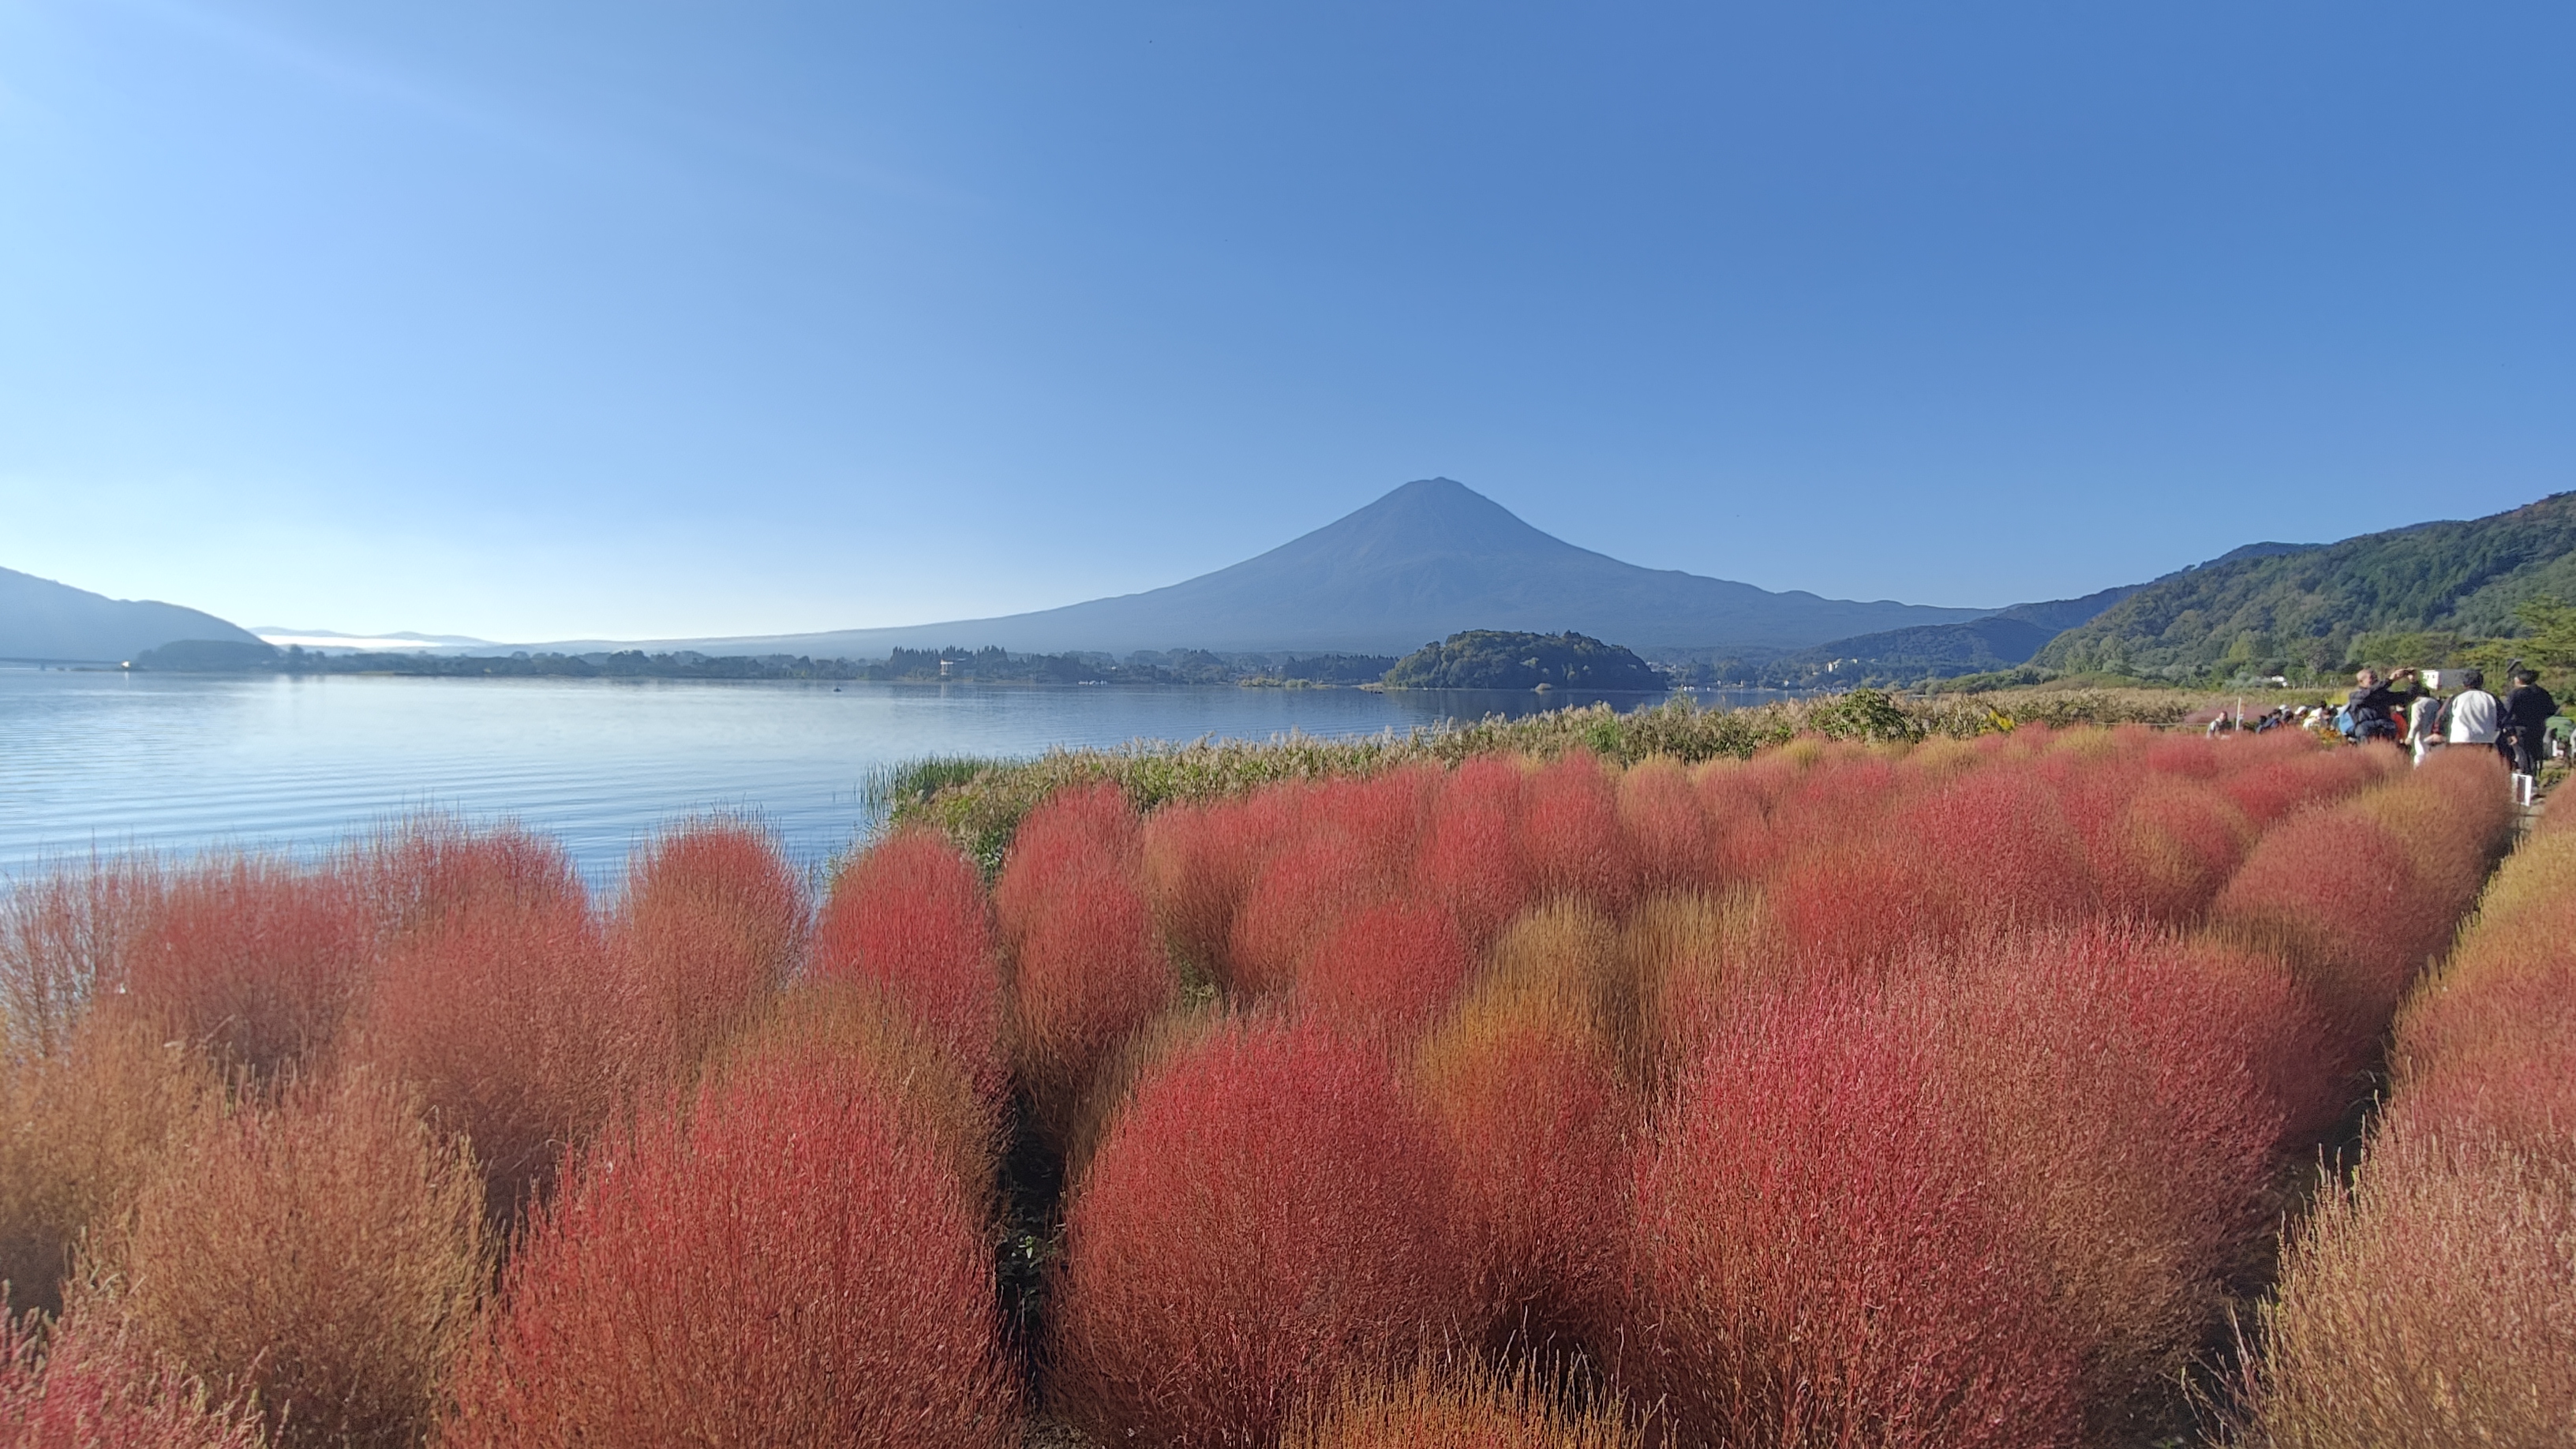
(1385, 974)
(780, 1264)
(907, 919)
(711, 926)
(255, 959)
(1470, 865)
(1266, 1217)
(1570, 841)
(1821, 1257)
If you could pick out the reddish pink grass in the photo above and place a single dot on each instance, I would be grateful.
(254, 959)
(1570, 841)
(1198, 861)
(1386, 973)
(323, 1257)
(1071, 836)
(2163, 851)
(84, 1388)
(907, 918)
(1470, 866)
(2357, 908)
(1821, 1258)
(500, 1001)
(2272, 776)
(1668, 838)
(1088, 968)
(1990, 851)
(711, 926)
(780, 1264)
(1304, 892)
(1264, 1218)
(1455, 1406)
(2123, 1084)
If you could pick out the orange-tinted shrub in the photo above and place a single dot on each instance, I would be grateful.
(1264, 1217)
(80, 1132)
(251, 957)
(64, 936)
(2163, 850)
(2272, 776)
(324, 1256)
(935, 1098)
(499, 999)
(2431, 1302)
(2121, 1083)
(780, 1264)
(908, 918)
(1527, 1093)
(1198, 861)
(1822, 1257)
(84, 1388)
(710, 927)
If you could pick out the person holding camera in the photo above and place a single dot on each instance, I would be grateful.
(2372, 710)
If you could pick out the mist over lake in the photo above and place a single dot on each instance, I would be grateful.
(109, 760)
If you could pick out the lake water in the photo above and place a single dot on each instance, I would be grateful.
(109, 761)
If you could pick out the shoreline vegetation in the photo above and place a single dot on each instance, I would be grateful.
(977, 803)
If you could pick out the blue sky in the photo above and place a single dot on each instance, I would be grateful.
(642, 319)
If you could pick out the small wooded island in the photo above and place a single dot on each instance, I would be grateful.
(1494, 659)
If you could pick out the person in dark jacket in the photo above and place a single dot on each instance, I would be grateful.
(2526, 722)
(2375, 708)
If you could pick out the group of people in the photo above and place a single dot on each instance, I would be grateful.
(2402, 710)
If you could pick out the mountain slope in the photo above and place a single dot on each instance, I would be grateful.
(1426, 561)
(2302, 609)
(41, 619)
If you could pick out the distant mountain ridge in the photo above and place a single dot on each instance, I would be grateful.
(41, 620)
(1430, 559)
(2259, 612)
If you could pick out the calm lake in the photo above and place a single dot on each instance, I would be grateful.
(109, 761)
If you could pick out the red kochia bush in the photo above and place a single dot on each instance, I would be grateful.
(91, 1389)
(1087, 968)
(2125, 1083)
(2272, 775)
(500, 1000)
(1990, 851)
(1469, 865)
(1075, 833)
(780, 1264)
(2358, 897)
(1570, 842)
(1386, 973)
(908, 919)
(1198, 861)
(1821, 1258)
(1265, 1217)
(253, 958)
(711, 925)
(1666, 831)
(1305, 891)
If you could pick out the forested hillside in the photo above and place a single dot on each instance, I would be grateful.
(2306, 611)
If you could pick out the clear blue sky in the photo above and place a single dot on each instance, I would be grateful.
(635, 319)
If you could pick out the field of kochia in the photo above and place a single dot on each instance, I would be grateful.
(2059, 1087)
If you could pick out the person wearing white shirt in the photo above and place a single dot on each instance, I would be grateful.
(2475, 715)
